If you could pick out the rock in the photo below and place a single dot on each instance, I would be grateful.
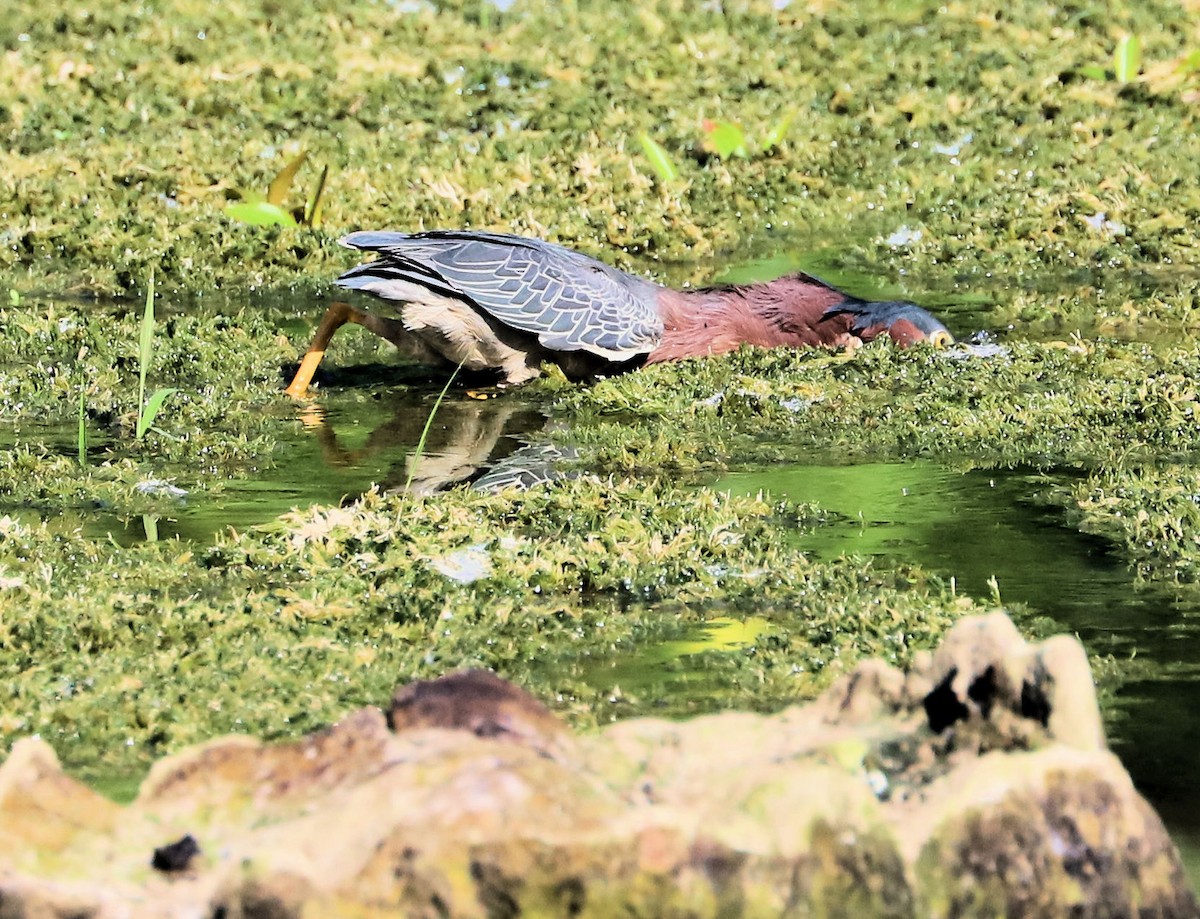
(985, 674)
(978, 784)
(41, 809)
(480, 702)
(175, 856)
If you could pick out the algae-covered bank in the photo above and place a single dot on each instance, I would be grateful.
(1004, 167)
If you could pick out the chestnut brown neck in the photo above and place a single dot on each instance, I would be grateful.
(786, 312)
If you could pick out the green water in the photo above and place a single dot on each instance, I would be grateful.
(983, 530)
(347, 443)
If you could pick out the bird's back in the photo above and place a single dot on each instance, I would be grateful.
(569, 301)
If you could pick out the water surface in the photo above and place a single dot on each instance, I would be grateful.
(985, 530)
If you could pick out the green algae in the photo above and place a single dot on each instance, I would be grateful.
(1151, 511)
(1071, 403)
(284, 628)
(331, 607)
(215, 426)
(1119, 412)
(118, 119)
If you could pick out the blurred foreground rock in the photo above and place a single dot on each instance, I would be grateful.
(979, 784)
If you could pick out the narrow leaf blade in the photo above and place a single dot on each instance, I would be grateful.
(278, 189)
(419, 451)
(146, 340)
(660, 160)
(150, 412)
(312, 210)
(82, 438)
(1127, 59)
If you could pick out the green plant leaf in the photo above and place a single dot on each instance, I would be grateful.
(778, 130)
(260, 214)
(1093, 72)
(312, 209)
(278, 189)
(419, 452)
(81, 440)
(150, 410)
(1189, 64)
(659, 159)
(724, 138)
(146, 341)
(1127, 59)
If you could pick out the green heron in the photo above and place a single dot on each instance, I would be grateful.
(510, 303)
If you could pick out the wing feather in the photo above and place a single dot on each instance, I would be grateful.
(569, 301)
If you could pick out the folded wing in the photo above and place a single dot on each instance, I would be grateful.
(569, 301)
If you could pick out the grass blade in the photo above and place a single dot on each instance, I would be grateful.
(1127, 59)
(147, 410)
(145, 345)
(81, 438)
(420, 450)
(659, 159)
(150, 410)
(278, 189)
(312, 209)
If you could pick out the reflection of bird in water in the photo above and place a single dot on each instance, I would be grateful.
(468, 441)
(490, 301)
(528, 467)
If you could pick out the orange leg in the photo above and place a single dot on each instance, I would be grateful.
(335, 317)
(393, 330)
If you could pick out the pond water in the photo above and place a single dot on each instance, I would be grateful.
(983, 529)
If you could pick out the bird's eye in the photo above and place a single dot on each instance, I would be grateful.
(941, 339)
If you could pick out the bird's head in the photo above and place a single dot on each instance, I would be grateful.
(905, 322)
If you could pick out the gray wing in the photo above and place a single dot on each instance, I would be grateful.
(571, 302)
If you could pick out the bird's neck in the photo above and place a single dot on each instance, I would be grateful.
(788, 311)
(793, 294)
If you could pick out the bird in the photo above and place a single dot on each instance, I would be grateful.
(497, 301)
